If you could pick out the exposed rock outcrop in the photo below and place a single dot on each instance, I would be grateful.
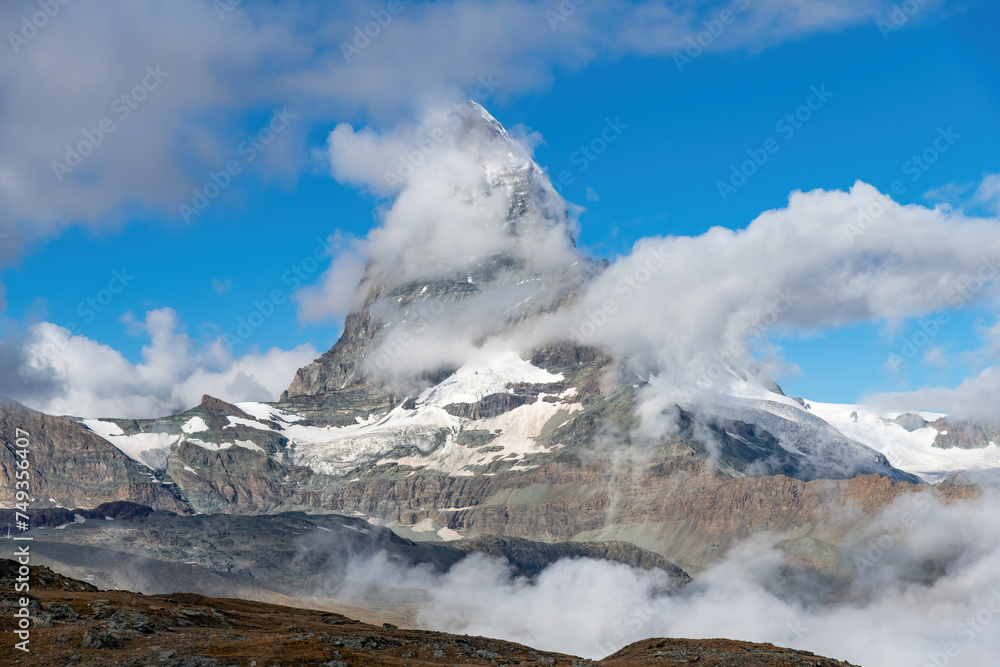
(73, 466)
(965, 434)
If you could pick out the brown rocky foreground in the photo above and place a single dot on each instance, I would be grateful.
(77, 624)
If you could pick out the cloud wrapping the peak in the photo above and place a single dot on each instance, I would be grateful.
(457, 180)
(828, 259)
(975, 398)
(471, 218)
(685, 309)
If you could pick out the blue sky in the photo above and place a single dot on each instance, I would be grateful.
(890, 98)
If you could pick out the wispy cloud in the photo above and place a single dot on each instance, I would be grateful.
(84, 85)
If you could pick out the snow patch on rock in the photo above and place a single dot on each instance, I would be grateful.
(149, 449)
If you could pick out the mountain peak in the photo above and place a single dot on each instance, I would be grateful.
(476, 242)
(490, 121)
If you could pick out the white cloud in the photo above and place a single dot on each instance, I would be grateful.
(993, 340)
(983, 196)
(668, 28)
(988, 192)
(681, 305)
(57, 372)
(935, 356)
(974, 398)
(337, 293)
(872, 606)
(64, 81)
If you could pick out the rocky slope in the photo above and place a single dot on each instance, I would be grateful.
(74, 467)
(74, 623)
(296, 555)
(965, 434)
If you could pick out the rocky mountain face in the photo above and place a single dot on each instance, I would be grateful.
(960, 433)
(72, 466)
(542, 443)
(965, 434)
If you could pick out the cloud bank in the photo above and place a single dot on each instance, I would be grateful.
(57, 372)
(920, 581)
